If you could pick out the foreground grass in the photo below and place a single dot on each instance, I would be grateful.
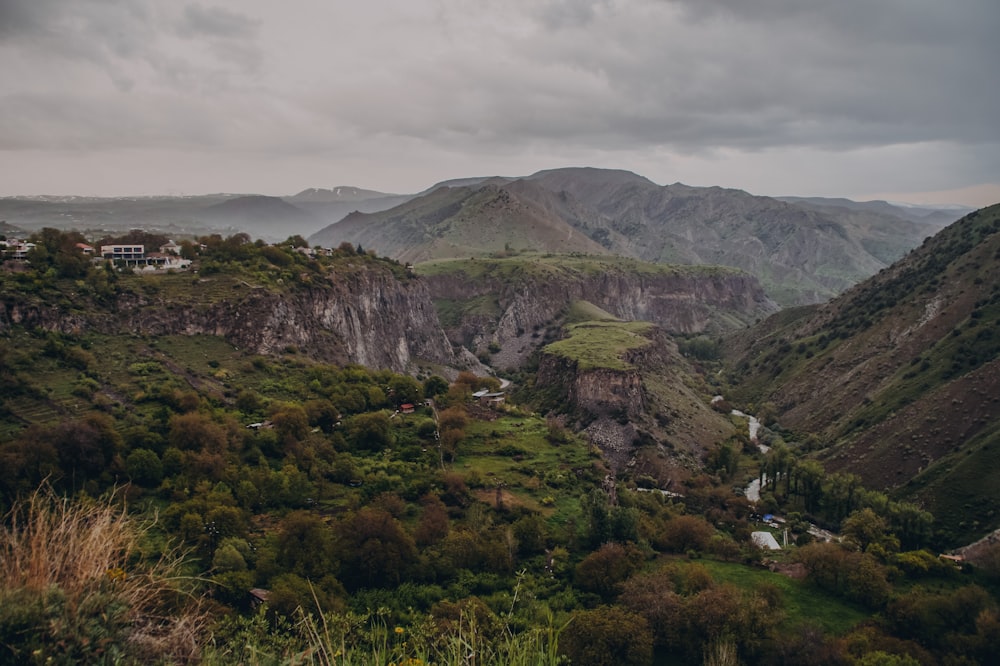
(75, 587)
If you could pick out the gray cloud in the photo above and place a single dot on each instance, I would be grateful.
(643, 82)
(215, 21)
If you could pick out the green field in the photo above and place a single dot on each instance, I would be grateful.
(601, 344)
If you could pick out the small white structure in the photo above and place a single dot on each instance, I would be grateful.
(765, 541)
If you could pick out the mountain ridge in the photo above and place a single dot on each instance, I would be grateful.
(899, 375)
(801, 253)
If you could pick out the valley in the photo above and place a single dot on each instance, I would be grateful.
(324, 429)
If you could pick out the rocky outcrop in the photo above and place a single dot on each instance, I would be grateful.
(685, 302)
(657, 403)
(364, 316)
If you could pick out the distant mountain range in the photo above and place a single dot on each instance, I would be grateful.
(803, 250)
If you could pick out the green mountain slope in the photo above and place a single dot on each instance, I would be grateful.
(800, 253)
(461, 222)
(900, 375)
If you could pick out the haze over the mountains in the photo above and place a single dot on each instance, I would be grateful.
(802, 250)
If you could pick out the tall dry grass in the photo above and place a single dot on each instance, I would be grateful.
(76, 585)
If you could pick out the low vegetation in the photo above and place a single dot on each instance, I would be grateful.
(600, 344)
(204, 503)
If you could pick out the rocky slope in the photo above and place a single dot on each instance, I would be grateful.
(365, 316)
(801, 253)
(464, 221)
(645, 407)
(900, 375)
(505, 303)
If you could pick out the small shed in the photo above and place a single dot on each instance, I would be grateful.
(765, 540)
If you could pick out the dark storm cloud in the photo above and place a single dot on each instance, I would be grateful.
(127, 39)
(565, 79)
(749, 75)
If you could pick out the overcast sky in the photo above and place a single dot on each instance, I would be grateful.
(866, 99)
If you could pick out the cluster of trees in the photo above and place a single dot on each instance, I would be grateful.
(334, 500)
(791, 482)
(57, 256)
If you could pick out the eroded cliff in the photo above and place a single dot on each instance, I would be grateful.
(650, 412)
(491, 304)
(366, 315)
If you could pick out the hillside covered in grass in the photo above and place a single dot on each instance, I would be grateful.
(898, 377)
(274, 506)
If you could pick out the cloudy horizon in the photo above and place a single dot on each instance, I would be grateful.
(139, 97)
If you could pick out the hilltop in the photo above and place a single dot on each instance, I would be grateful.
(801, 252)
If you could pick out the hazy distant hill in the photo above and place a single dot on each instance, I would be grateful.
(334, 195)
(802, 250)
(464, 221)
(802, 253)
(9, 230)
(260, 216)
(332, 205)
(900, 375)
(116, 213)
(272, 218)
(936, 216)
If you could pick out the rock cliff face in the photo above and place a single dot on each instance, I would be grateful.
(656, 409)
(366, 317)
(683, 303)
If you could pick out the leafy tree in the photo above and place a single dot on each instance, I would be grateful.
(450, 440)
(369, 431)
(453, 418)
(598, 517)
(911, 524)
(531, 534)
(57, 250)
(27, 460)
(374, 548)
(289, 592)
(406, 389)
(322, 414)
(291, 422)
(865, 529)
(305, 546)
(435, 385)
(144, 467)
(685, 533)
(433, 525)
(607, 636)
(249, 402)
(604, 570)
(86, 447)
(196, 432)
(809, 482)
(653, 595)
